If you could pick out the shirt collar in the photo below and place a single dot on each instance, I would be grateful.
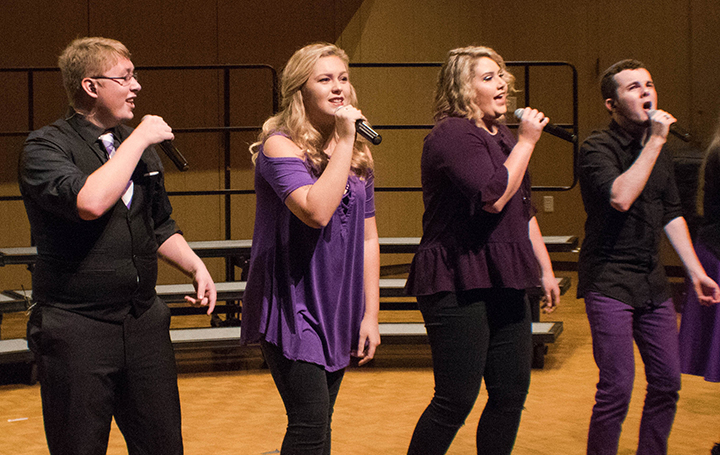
(88, 130)
(622, 135)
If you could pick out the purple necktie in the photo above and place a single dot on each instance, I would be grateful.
(109, 144)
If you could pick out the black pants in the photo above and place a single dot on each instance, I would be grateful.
(309, 393)
(475, 334)
(91, 371)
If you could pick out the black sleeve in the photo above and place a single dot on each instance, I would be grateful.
(48, 176)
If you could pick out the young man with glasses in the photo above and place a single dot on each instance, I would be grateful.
(94, 193)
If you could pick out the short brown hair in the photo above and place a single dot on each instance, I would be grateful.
(85, 57)
(608, 84)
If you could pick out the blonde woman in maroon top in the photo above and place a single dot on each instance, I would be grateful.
(481, 248)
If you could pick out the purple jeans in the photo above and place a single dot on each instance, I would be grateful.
(614, 325)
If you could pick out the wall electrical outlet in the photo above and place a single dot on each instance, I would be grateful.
(549, 203)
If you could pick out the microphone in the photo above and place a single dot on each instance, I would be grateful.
(364, 130)
(173, 153)
(555, 130)
(175, 156)
(674, 128)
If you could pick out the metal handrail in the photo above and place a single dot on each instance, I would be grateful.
(226, 129)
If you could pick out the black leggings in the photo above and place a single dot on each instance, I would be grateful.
(309, 393)
(475, 334)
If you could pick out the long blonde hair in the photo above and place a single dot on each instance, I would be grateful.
(454, 93)
(292, 119)
(714, 147)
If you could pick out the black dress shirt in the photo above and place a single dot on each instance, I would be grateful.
(619, 257)
(103, 268)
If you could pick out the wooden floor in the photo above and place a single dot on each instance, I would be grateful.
(240, 412)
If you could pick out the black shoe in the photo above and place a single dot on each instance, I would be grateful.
(715, 450)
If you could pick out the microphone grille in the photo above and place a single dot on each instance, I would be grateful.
(519, 113)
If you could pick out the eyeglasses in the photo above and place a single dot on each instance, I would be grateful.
(122, 80)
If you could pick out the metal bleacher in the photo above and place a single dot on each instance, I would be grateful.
(392, 293)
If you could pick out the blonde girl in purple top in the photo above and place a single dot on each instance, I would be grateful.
(312, 295)
(481, 248)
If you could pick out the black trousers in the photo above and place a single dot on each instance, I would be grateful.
(475, 334)
(91, 371)
(308, 393)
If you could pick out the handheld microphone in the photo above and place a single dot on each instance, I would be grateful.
(364, 130)
(175, 156)
(674, 128)
(173, 153)
(555, 130)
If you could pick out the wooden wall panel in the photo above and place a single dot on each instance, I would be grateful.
(704, 68)
(402, 31)
(656, 33)
(590, 35)
(677, 40)
(34, 32)
(269, 32)
(158, 32)
(14, 100)
(193, 32)
(399, 31)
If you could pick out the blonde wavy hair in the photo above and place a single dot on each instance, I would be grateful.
(292, 119)
(86, 57)
(454, 93)
(713, 148)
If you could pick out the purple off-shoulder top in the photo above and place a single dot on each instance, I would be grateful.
(464, 247)
(305, 286)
